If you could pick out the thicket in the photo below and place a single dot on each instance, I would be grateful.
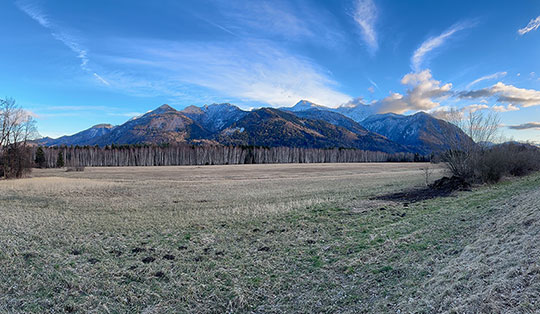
(482, 161)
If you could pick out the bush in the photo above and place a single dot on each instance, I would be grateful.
(490, 165)
(16, 162)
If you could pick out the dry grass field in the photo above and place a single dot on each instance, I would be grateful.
(265, 238)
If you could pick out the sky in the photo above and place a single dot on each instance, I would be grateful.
(74, 64)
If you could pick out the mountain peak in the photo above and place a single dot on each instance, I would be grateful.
(305, 105)
(192, 109)
(163, 108)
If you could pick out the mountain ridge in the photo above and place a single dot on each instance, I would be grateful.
(306, 125)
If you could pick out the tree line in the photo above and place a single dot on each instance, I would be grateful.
(175, 155)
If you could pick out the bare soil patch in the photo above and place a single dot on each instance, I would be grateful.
(443, 187)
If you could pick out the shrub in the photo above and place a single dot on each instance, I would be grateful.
(16, 161)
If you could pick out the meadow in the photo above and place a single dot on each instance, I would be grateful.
(265, 238)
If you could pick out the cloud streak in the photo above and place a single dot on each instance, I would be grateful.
(35, 12)
(532, 26)
(365, 15)
(432, 43)
(70, 41)
(487, 77)
(291, 20)
(102, 80)
(526, 126)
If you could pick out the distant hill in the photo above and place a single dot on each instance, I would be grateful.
(420, 132)
(86, 137)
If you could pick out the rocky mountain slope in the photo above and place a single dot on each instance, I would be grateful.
(356, 112)
(273, 127)
(163, 125)
(420, 132)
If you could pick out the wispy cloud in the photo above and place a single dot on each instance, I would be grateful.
(487, 77)
(35, 12)
(526, 126)
(365, 15)
(290, 20)
(255, 71)
(532, 26)
(432, 43)
(126, 114)
(102, 80)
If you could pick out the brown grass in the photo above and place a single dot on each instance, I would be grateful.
(254, 238)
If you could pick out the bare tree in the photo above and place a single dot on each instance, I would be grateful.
(427, 171)
(464, 157)
(17, 128)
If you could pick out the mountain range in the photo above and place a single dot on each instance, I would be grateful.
(305, 125)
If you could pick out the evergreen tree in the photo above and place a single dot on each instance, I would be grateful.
(40, 157)
(60, 160)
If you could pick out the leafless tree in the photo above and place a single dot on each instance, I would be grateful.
(156, 155)
(427, 171)
(465, 157)
(17, 128)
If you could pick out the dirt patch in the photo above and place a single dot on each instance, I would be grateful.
(169, 257)
(443, 187)
(148, 259)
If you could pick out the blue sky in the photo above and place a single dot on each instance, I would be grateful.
(79, 63)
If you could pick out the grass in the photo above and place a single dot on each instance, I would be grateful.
(264, 238)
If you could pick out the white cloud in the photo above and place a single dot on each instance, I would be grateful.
(424, 89)
(515, 95)
(432, 43)
(290, 20)
(526, 126)
(507, 94)
(487, 77)
(102, 80)
(533, 25)
(34, 11)
(365, 15)
(254, 71)
(474, 108)
(508, 108)
(126, 114)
